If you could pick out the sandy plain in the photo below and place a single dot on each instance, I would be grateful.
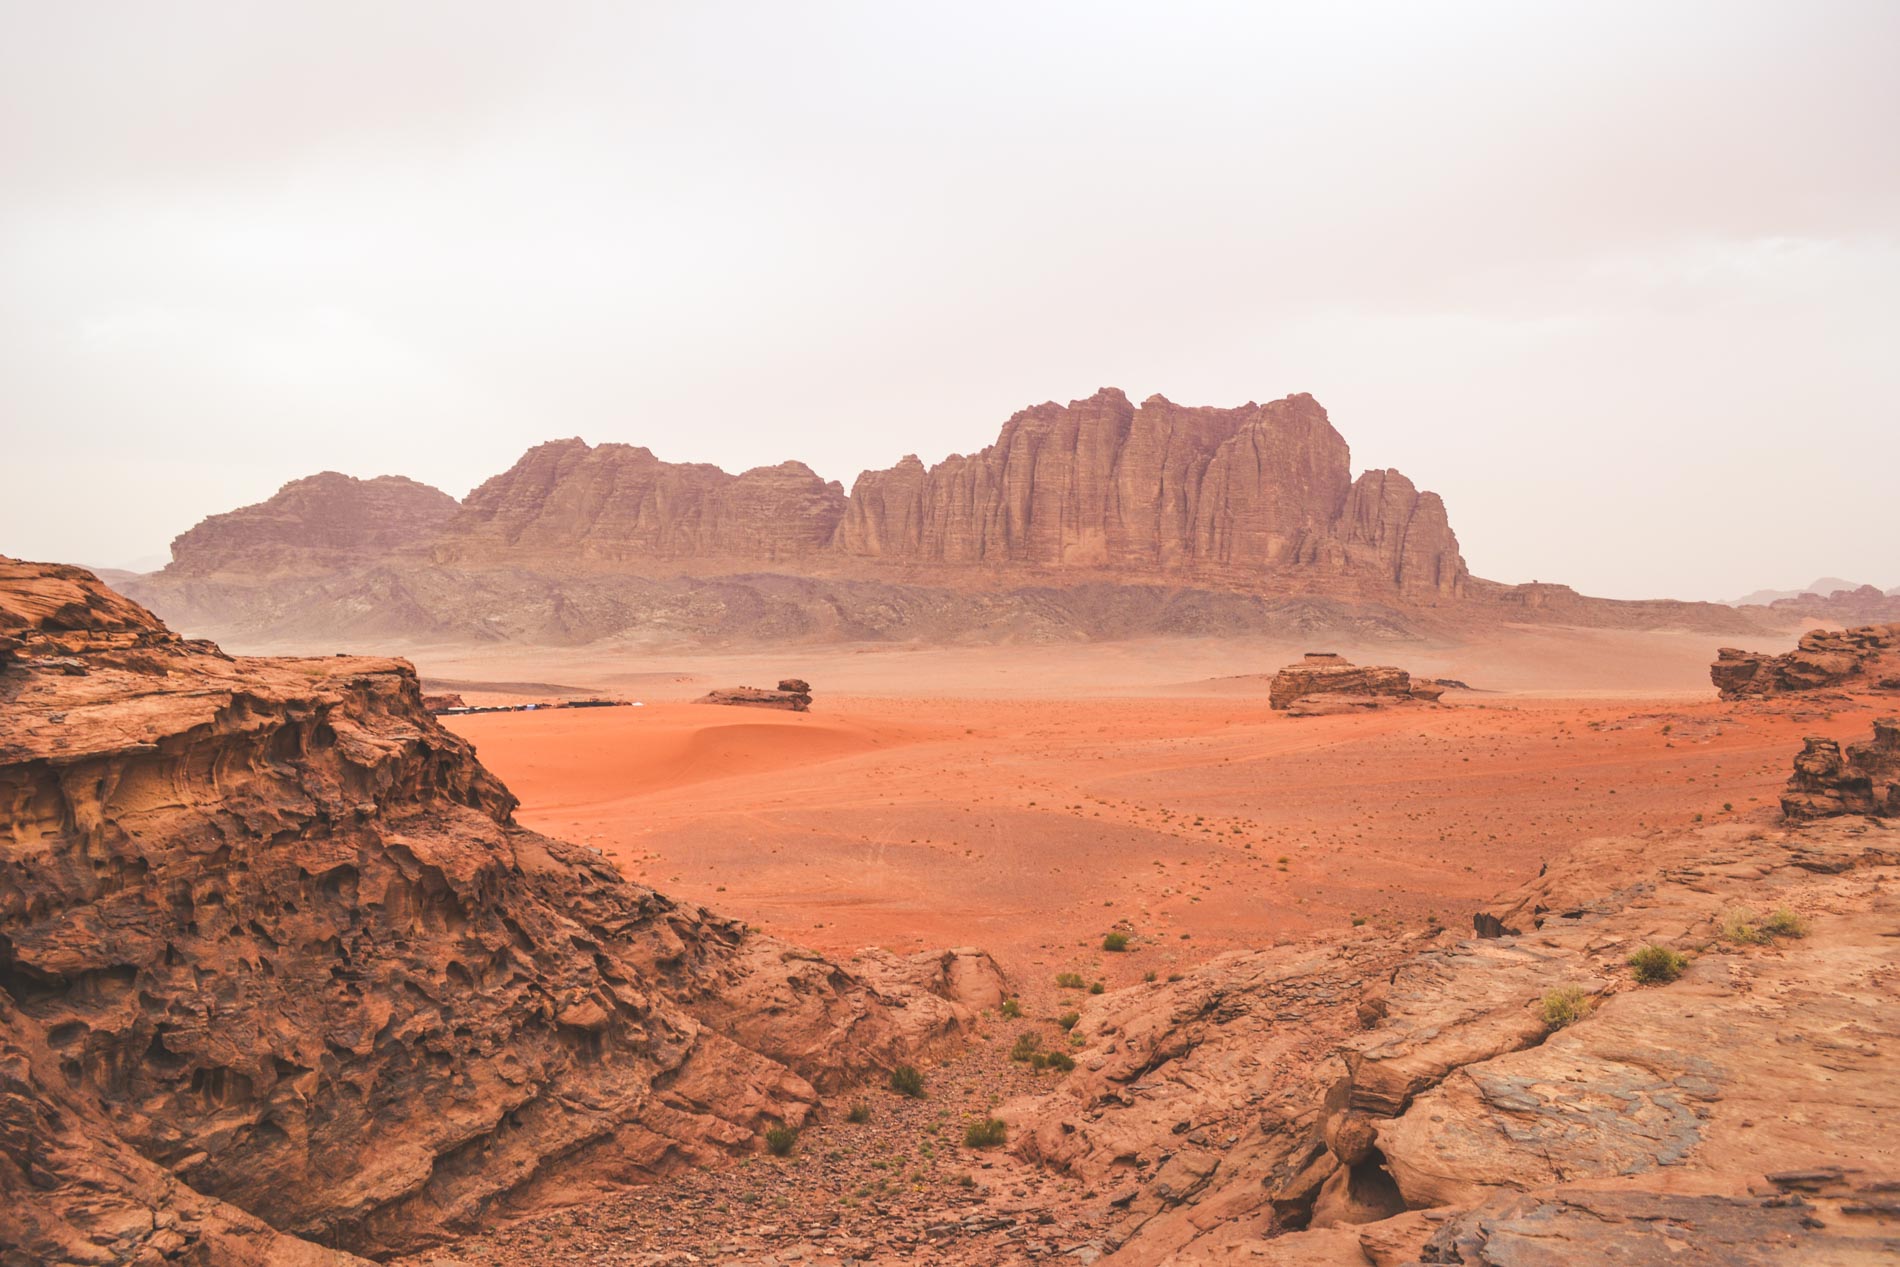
(1029, 800)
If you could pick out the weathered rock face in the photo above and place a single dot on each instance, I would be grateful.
(793, 694)
(323, 522)
(1232, 495)
(1864, 781)
(618, 503)
(1304, 1104)
(278, 929)
(1864, 658)
(1325, 683)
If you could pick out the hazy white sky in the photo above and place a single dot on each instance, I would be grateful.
(1622, 281)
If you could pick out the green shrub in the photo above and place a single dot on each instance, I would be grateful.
(1657, 965)
(1740, 927)
(1039, 1061)
(1011, 1009)
(1068, 1019)
(989, 1133)
(780, 1140)
(1565, 1006)
(1070, 980)
(905, 1080)
(1096, 987)
(1785, 923)
(1115, 942)
(1061, 1060)
(1028, 1043)
(860, 1113)
(1148, 975)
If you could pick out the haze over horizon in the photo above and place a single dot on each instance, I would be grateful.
(1623, 286)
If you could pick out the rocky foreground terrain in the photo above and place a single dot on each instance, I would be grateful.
(278, 970)
(283, 982)
(1099, 519)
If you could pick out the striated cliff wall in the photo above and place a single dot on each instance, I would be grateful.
(1230, 495)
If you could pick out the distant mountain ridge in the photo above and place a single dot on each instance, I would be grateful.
(1028, 536)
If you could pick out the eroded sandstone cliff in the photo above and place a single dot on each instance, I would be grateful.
(1097, 519)
(1863, 658)
(277, 930)
(1230, 495)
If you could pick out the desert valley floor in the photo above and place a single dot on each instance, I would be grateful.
(988, 798)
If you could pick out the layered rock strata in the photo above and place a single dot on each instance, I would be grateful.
(321, 523)
(1324, 683)
(793, 694)
(1384, 1101)
(277, 935)
(1865, 780)
(1863, 658)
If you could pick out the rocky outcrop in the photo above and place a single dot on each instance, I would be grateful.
(1324, 683)
(1864, 658)
(1369, 1099)
(1230, 495)
(318, 524)
(793, 694)
(1100, 518)
(276, 933)
(1864, 781)
(570, 502)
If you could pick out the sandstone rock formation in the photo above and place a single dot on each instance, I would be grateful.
(321, 523)
(1325, 683)
(792, 693)
(1390, 1101)
(616, 503)
(1865, 781)
(267, 930)
(1232, 495)
(1096, 519)
(1865, 658)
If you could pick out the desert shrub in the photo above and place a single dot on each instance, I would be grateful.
(859, 1112)
(1068, 1019)
(989, 1133)
(1657, 965)
(1011, 1009)
(1038, 1061)
(1148, 975)
(1785, 923)
(1115, 942)
(1070, 980)
(1096, 987)
(780, 1140)
(1739, 926)
(1061, 1060)
(905, 1080)
(1028, 1043)
(1564, 1006)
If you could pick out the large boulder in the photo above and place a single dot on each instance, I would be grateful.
(1864, 780)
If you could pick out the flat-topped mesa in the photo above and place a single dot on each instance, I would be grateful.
(269, 929)
(1865, 780)
(1862, 659)
(321, 522)
(1325, 682)
(1225, 495)
(566, 500)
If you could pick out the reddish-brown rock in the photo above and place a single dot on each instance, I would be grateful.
(1866, 780)
(1229, 495)
(270, 929)
(323, 522)
(1324, 683)
(792, 693)
(569, 502)
(1864, 658)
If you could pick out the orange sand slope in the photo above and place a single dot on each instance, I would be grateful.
(1033, 826)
